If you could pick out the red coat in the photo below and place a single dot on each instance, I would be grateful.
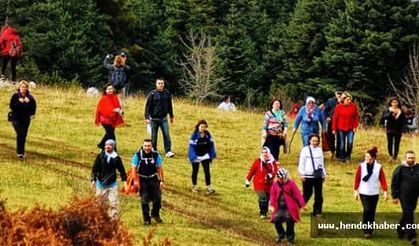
(259, 171)
(8, 35)
(345, 117)
(293, 199)
(105, 111)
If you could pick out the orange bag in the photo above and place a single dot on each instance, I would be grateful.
(133, 181)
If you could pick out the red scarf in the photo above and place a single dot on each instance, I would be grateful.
(105, 111)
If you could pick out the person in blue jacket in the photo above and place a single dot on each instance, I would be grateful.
(310, 116)
(201, 150)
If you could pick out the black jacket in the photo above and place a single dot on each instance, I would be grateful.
(405, 182)
(22, 111)
(392, 124)
(106, 172)
(158, 105)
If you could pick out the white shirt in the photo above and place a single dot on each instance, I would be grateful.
(227, 106)
(305, 166)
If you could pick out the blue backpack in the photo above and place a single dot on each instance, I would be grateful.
(118, 77)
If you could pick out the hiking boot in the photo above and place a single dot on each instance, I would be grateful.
(210, 190)
(195, 189)
(170, 154)
(147, 222)
(157, 219)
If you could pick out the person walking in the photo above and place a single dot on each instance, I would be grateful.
(108, 114)
(119, 73)
(201, 150)
(328, 114)
(404, 189)
(369, 176)
(157, 107)
(275, 128)
(285, 202)
(103, 176)
(394, 120)
(312, 173)
(310, 116)
(148, 164)
(345, 122)
(262, 171)
(23, 109)
(11, 50)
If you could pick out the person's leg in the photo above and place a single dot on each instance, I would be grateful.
(113, 202)
(397, 139)
(307, 189)
(155, 123)
(350, 138)
(263, 202)
(280, 230)
(195, 169)
(13, 64)
(390, 143)
(156, 198)
(145, 199)
(109, 134)
(273, 144)
(166, 136)
(290, 230)
(305, 139)
(5, 60)
(342, 145)
(318, 196)
(331, 138)
(20, 137)
(408, 205)
(369, 203)
(206, 167)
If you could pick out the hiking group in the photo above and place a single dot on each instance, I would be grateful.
(276, 192)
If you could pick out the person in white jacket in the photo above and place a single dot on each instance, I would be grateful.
(312, 172)
(368, 178)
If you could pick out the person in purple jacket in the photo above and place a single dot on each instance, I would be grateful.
(285, 202)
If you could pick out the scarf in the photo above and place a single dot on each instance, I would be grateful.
(370, 167)
(267, 162)
(310, 111)
(108, 156)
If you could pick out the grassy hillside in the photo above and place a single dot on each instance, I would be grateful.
(62, 146)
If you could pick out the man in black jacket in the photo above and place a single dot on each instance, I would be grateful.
(104, 176)
(405, 188)
(157, 107)
(328, 114)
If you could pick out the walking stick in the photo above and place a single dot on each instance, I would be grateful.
(289, 145)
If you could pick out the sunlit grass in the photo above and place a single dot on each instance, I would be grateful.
(62, 146)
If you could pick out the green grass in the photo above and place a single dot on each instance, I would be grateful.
(62, 146)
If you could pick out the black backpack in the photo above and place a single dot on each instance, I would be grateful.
(118, 77)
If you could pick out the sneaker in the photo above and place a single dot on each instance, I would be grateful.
(414, 242)
(147, 222)
(2, 77)
(210, 191)
(195, 189)
(157, 219)
(262, 216)
(279, 240)
(367, 236)
(170, 154)
(20, 156)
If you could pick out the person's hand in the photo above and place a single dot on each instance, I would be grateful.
(172, 120)
(32, 117)
(328, 119)
(356, 195)
(126, 186)
(396, 201)
(385, 195)
(271, 209)
(109, 56)
(294, 130)
(285, 133)
(147, 122)
(246, 183)
(21, 100)
(26, 99)
(161, 184)
(303, 179)
(93, 184)
(355, 129)
(117, 110)
(305, 208)
(333, 132)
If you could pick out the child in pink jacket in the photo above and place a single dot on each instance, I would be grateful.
(285, 201)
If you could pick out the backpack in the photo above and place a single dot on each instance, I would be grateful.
(118, 77)
(15, 50)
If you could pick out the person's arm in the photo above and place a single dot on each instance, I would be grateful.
(356, 118)
(148, 107)
(285, 123)
(302, 163)
(33, 107)
(106, 63)
(213, 153)
(395, 183)
(357, 178)
(322, 120)
(335, 118)
(191, 150)
(95, 169)
(170, 106)
(159, 165)
(383, 180)
(121, 169)
(252, 170)
(298, 118)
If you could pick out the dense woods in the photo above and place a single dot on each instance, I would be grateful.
(261, 48)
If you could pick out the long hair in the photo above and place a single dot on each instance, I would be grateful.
(395, 99)
(200, 122)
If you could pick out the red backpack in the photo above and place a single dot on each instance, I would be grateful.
(16, 49)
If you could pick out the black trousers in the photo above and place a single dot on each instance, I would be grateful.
(150, 192)
(21, 129)
(195, 169)
(109, 134)
(315, 184)
(408, 204)
(13, 63)
(369, 203)
(273, 143)
(333, 140)
(290, 232)
(393, 144)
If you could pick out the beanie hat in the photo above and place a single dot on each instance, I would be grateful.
(110, 142)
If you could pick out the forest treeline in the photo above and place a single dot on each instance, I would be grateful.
(261, 48)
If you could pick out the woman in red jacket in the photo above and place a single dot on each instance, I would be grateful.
(108, 114)
(262, 171)
(11, 49)
(345, 123)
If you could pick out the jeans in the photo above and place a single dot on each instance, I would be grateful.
(346, 139)
(164, 125)
(195, 169)
(109, 134)
(263, 198)
(317, 185)
(393, 139)
(150, 192)
(21, 129)
(369, 203)
(13, 63)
